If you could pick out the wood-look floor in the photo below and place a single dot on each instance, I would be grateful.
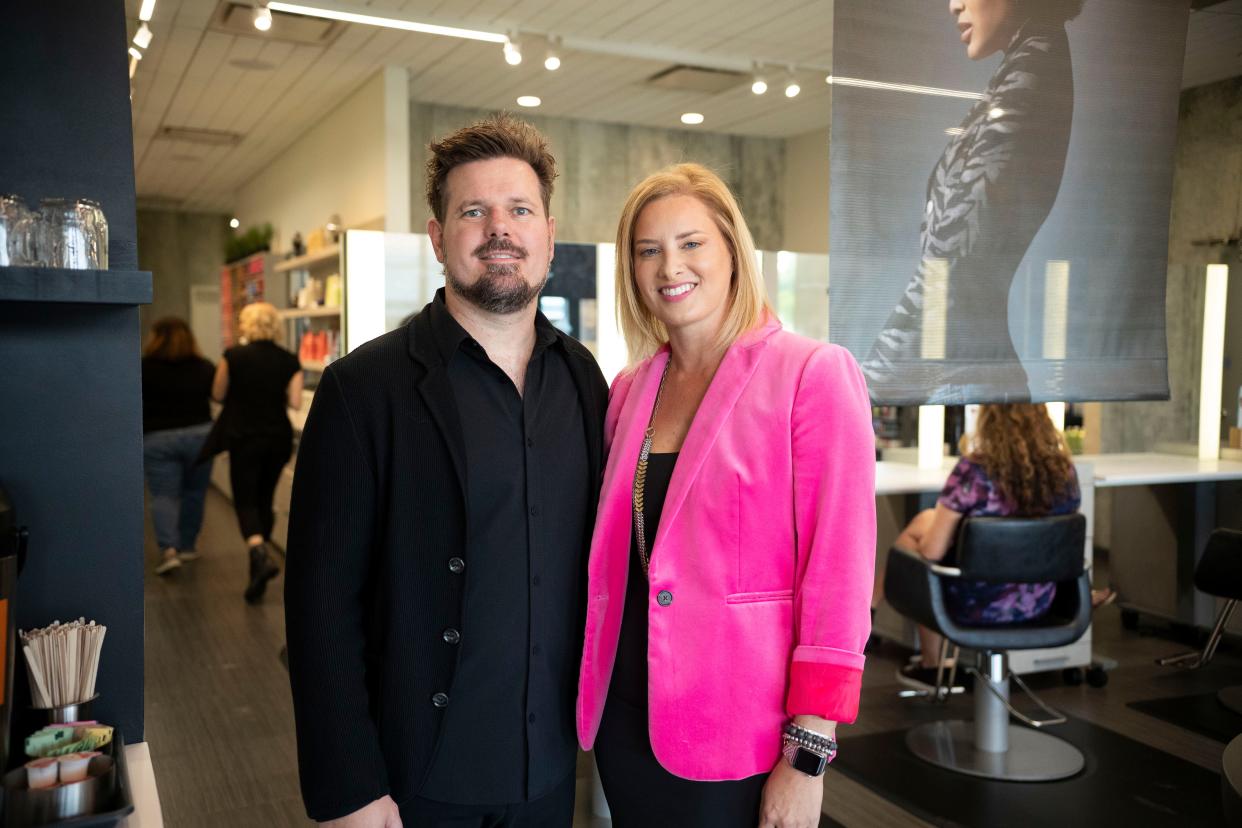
(220, 726)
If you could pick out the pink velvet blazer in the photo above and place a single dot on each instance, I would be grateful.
(766, 543)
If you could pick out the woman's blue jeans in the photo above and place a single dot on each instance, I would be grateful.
(178, 483)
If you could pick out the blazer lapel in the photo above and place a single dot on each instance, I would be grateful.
(731, 378)
(615, 520)
(437, 394)
(592, 416)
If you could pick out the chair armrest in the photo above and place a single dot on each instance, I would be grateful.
(912, 586)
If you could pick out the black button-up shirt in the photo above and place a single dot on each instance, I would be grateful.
(508, 731)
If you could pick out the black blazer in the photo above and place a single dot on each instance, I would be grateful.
(378, 514)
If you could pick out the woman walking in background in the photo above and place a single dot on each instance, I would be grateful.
(176, 417)
(257, 381)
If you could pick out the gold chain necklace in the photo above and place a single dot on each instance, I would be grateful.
(640, 476)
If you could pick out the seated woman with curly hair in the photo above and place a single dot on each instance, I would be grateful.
(1015, 464)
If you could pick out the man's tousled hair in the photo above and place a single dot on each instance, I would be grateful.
(498, 136)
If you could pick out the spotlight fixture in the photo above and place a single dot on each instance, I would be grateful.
(146, 10)
(142, 37)
(692, 118)
(792, 88)
(134, 53)
(234, 223)
(262, 18)
(552, 61)
(529, 100)
(758, 85)
(513, 52)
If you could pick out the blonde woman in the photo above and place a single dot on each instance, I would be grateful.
(257, 381)
(731, 564)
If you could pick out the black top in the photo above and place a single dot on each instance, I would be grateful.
(526, 515)
(629, 674)
(259, 375)
(175, 394)
(379, 565)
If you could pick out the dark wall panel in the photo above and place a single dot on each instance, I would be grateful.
(70, 393)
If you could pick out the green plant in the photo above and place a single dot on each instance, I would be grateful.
(254, 240)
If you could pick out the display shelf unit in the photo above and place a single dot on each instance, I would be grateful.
(308, 326)
(90, 287)
(252, 279)
(311, 313)
(331, 253)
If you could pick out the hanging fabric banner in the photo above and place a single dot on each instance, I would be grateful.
(1001, 178)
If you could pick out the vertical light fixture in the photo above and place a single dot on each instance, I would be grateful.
(933, 342)
(609, 343)
(1056, 324)
(552, 61)
(1213, 363)
(146, 10)
(757, 84)
(931, 436)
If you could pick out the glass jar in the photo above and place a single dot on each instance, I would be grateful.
(72, 234)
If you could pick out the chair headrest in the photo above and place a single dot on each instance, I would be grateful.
(1022, 549)
(1220, 569)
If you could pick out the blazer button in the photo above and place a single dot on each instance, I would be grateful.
(664, 598)
(457, 566)
(452, 636)
(440, 700)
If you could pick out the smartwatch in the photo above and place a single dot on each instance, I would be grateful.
(804, 759)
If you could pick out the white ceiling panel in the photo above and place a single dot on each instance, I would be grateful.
(190, 78)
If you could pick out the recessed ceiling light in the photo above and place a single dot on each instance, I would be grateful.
(234, 223)
(692, 118)
(792, 89)
(529, 100)
(759, 86)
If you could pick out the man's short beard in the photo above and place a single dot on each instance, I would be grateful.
(500, 290)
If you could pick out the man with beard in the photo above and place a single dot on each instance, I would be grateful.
(443, 502)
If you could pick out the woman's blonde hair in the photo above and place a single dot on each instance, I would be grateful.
(748, 302)
(259, 321)
(1024, 455)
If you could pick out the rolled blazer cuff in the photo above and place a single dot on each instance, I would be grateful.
(825, 682)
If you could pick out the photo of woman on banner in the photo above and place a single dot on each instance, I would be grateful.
(948, 339)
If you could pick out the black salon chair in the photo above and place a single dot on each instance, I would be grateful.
(1219, 573)
(1028, 550)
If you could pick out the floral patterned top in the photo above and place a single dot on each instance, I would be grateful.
(970, 492)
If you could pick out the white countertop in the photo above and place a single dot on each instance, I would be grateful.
(1149, 469)
(147, 812)
(1142, 469)
(893, 478)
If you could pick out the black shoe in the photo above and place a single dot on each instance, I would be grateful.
(262, 570)
(916, 672)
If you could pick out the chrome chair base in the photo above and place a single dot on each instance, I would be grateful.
(1032, 756)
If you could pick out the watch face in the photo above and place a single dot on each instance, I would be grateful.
(809, 763)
